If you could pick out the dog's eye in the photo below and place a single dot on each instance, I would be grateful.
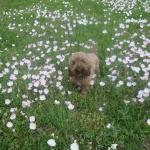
(82, 60)
(73, 62)
(82, 71)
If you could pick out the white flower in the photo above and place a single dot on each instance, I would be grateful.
(109, 148)
(102, 83)
(12, 77)
(70, 106)
(43, 81)
(32, 118)
(141, 100)
(12, 110)
(51, 142)
(146, 90)
(46, 91)
(120, 82)
(32, 126)
(135, 69)
(74, 146)
(69, 92)
(114, 146)
(121, 25)
(148, 122)
(92, 82)
(57, 102)
(13, 116)
(26, 104)
(67, 102)
(36, 90)
(134, 83)
(60, 78)
(60, 87)
(9, 124)
(42, 97)
(16, 72)
(104, 31)
(63, 92)
(58, 84)
(7, 101)
(10, 83)
(108, 125)
(36, 84)
(24, 77)
(129, 84)
(126, 101)
(9, 90)
(6, 70)
(114, 78)
(100, 109)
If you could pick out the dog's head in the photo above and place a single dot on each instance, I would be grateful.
(79, 66)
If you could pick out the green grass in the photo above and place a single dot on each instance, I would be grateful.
(85, 123)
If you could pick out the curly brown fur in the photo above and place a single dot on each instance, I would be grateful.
(82, 66)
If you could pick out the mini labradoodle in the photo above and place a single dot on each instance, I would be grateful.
(82, 67)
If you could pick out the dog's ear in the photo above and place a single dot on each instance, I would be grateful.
(70, 72)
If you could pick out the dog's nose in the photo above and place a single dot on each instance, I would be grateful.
(78, 70)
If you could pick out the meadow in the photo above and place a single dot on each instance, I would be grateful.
(40, 109)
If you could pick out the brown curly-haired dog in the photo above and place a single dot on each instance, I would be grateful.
(82, 67)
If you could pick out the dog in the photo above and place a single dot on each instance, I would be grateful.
(82, 67)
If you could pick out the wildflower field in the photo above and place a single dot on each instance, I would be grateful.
(40, 109)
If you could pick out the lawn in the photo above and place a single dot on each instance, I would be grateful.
(40, 109)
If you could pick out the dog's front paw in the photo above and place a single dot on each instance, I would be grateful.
(83, 92)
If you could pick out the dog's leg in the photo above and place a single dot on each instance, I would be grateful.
(84, 90)
(97, 66)
(85, 85)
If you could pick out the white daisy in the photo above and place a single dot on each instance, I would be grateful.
(12, 77)
(26, 104)
(70, 106)
(104, 31)
(114, 146)
(58, 84)
(51, 142)
(24, 77)
(102, 83)
(12, 110)
(7, 101)
(108, 125)
(60, 78)
(36, 84)
(56, 102)
(148, 122)
(69, 92)
(42, 97)
(74, 146)
(46, 91)
(32, 118)
(9, 124)
(100, 109)
(42, 81)
(32, 126)
(92, 82)
(16, 72)
(9, 90)
(13, 116)
(10, 83)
